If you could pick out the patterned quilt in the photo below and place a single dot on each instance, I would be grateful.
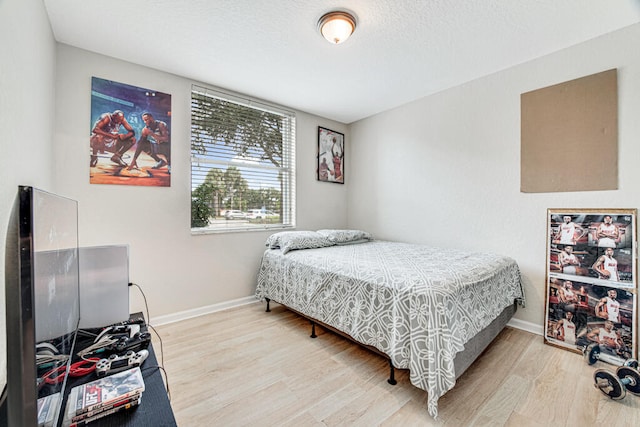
(417, 304)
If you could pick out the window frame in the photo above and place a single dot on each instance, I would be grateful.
(286, 171)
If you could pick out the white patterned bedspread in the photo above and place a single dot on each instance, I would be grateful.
(417, 304)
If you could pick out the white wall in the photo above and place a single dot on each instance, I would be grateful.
(27, 52)
(445, 169)
(177, 271)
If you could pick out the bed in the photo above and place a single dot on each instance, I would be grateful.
(429, 310)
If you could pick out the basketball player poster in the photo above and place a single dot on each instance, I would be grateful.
(591, 290)
(130, 135)
(330, 156)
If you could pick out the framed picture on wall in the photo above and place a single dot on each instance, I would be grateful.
(591, 284)
(130, 142)
(330, 156)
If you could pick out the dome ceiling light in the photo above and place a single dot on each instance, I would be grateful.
(337, 26)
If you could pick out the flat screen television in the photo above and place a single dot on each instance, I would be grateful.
(42, 300)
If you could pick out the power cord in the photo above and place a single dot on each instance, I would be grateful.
(161, 365)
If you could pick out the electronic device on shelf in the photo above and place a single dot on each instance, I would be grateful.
(117, 339)
(115, 363)
(139, 341)
(104, 285)
(42, 295)
(53, 287)
(118, 331)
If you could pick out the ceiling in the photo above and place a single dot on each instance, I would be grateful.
(402, 50)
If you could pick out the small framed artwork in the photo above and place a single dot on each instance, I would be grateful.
(591, 285)
(330, 166)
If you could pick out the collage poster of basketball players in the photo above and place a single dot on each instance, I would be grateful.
(130, 135)
(591, 282)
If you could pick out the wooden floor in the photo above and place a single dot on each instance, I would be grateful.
(245, 367)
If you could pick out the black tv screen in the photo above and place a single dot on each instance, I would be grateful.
(42, 301)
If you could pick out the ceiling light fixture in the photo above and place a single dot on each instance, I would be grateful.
(337, 26)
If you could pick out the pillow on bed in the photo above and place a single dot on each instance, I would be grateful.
(292, 240)
(346, 237)
(273, 241)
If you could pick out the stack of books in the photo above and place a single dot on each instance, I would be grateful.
(91, 401)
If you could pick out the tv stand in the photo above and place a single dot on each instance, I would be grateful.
(154, 409)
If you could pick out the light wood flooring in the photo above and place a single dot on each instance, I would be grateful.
(246, 367)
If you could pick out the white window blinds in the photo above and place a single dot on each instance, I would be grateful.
(242, 163)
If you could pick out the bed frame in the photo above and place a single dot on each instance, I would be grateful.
(463, 360)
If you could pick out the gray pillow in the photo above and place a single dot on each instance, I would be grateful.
(342, 237)
(292, 240)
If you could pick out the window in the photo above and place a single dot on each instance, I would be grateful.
(242, 163)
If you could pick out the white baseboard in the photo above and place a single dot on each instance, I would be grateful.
(201, 311)
(526, 326)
